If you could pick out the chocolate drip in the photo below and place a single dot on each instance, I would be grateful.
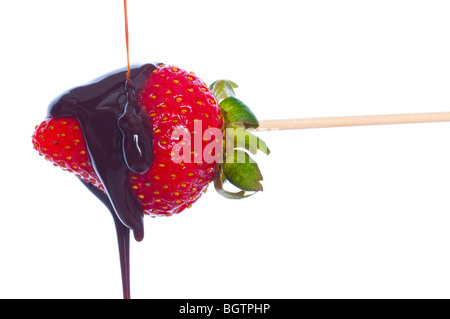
(123, 240)
(114, 146)
(118, 138)
(137, 134)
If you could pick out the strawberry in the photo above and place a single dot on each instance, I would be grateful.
(61, 142)
(175, 100)
(183, 110)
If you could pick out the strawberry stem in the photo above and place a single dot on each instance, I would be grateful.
(238, 167)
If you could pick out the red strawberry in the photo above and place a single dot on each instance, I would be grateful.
(61, 142)
(182, 109)
(175, 100)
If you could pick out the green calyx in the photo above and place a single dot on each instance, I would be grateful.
(236, 112)
(238, 167)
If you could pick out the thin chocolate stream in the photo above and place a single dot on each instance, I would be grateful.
(123, 239)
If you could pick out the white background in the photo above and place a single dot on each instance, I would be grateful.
(361, 212)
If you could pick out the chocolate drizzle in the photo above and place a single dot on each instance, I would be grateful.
(123, 239)
(137, 142)
(118, 139)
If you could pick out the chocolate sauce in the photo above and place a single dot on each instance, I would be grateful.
(118, 138)
(137, 142)
(123, 239)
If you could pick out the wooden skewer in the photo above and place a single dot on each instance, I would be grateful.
(362, 120)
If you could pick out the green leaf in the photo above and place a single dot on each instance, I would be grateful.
(237, 137)
(239, 168)
(235, 111)
(223, 89)
(242, 171)
(219, 179)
